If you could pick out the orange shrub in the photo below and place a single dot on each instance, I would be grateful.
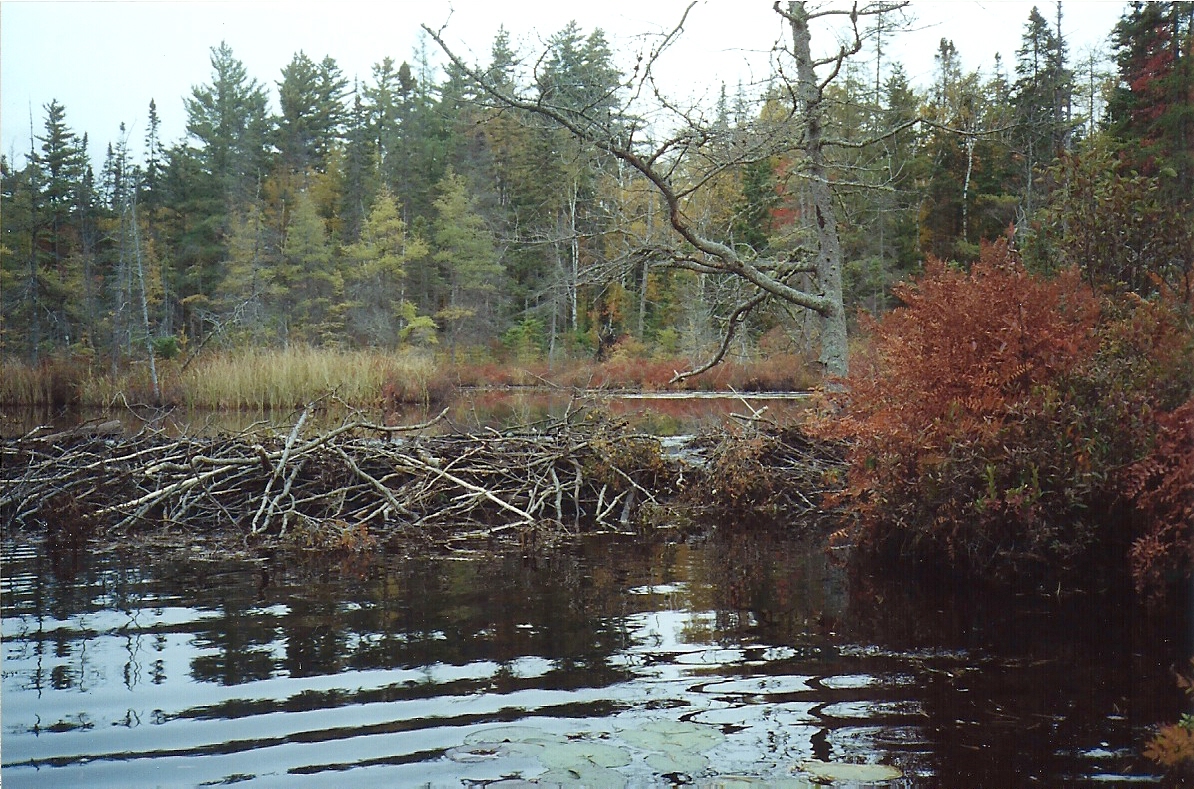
(969, 452)
(1162, 487)
(993, 415)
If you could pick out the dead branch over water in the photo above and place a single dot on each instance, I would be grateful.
(346, 485)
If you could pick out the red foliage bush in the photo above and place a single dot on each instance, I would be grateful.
(989, 414)
(1162, 487)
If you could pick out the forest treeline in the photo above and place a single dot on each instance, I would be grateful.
(410, 211)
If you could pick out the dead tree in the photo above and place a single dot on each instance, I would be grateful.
(691, 158)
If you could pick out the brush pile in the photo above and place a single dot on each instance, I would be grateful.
(764, 472)
(583, 472)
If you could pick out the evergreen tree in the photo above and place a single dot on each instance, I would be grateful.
(20, 268)
(62, 194)
(307, 284)
(155, 159)
(313, 113)
(753, 217)
(380, 313)
(357, 171)
(1042, 98)
(465, 251)
(579, 77)
(229, 119)
(1151, 112)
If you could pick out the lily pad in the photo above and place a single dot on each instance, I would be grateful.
(855, 773)
(479, 752)
(511, 734)
(672, 736)
(583, 754)
(592, 776)
(682, 762)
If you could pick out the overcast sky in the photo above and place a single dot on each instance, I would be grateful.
(104, 61)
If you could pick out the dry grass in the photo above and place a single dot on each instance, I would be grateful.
(264, 379)
(777, 373)
(258, 379)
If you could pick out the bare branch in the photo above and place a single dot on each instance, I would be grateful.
(734, 321)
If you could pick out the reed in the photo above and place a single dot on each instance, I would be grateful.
(56, 382)
(260, 379)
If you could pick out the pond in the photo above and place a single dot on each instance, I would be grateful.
(718, 662)
(658, 413)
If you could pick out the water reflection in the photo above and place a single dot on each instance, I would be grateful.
(182, 672)
(670, 415)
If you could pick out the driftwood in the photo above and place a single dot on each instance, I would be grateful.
(582, 472)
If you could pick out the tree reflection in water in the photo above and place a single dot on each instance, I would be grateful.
(389, 669)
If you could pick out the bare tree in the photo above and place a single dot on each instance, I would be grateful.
(697, 153)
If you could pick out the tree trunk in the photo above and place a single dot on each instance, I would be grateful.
(834, 348)
(149, 349)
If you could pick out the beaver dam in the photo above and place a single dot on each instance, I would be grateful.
(360, 483)
(345, 603)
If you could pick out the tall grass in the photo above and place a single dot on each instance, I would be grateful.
(775, 373)
(55, 382)
(265, 379)
(261, 379)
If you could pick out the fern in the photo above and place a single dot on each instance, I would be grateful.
(990, 413)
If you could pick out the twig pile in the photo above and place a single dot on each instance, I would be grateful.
(579, 473)
(768, 471)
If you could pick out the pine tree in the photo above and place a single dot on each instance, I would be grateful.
(1151, 112)
(1042, 98)
(230, 120)
(20, 270)
(380, 313)
(209, 183)
(465, 251)
(358, 172)
(63, 190)
(307, 285)
(313, 114)
(155, 159)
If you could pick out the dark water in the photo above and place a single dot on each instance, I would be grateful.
(660, 414)
(750, 654)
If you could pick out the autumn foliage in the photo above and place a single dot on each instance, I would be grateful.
(1162, 486)
(992, 414)
(1172, 746)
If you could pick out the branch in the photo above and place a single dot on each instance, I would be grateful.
(724, 259)
(735, 319)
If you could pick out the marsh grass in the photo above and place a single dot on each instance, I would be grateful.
(775, 373)
(56, 382)
(257, 379)
(267, 379)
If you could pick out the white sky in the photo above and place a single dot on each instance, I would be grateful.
(104, 61)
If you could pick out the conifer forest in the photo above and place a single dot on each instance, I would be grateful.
(495, 210)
